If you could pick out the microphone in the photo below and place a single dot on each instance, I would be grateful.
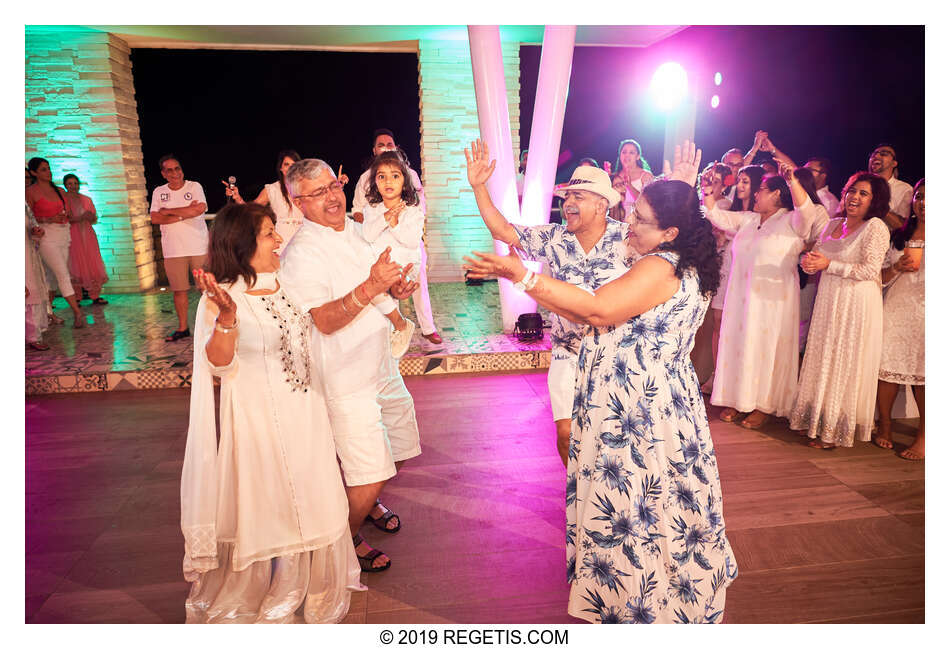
(231, 182)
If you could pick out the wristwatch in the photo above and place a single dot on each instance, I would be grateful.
(522, 285)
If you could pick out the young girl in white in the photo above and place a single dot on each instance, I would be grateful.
(393, 218)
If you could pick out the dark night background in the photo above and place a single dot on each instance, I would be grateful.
(832, 91)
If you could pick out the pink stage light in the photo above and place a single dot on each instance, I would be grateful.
(669, 86)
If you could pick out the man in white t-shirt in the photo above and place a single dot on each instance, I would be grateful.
(820, 168)
(329, 270)
(883, 161)
(179, 207)
(383, 141)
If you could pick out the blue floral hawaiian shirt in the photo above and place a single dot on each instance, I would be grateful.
(610, 258)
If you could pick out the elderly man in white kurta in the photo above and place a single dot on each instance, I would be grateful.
(371, 411)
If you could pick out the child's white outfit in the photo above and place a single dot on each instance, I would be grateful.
(405, 239)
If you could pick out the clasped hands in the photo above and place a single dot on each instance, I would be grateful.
(387, 275)
(813, 262)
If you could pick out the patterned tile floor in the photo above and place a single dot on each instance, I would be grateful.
(123, 344)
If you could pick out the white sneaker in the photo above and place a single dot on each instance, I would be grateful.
(399, 340)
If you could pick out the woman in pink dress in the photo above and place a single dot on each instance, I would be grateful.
(85, 261)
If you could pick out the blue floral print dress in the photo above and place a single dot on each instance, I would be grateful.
(646, 539)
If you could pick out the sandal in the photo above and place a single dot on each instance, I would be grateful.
(100, 301)
(381, 523)
(366, 561)
(911, 456)
(753, 423)
(883, 441)
(177, 335)
(39, 346)
(55, 319)
(730, 415)
(824, 446)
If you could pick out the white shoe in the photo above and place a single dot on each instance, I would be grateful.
(399, 340)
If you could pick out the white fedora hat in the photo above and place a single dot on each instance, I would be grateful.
(590, 179)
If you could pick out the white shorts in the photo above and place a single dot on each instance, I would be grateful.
(561, 386)
(374, 429)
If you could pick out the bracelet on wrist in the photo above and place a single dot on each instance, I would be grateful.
(343, 304)
(225, 329)
(365, 294)
(356, 299)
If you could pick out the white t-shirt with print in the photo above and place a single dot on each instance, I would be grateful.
(187, 238)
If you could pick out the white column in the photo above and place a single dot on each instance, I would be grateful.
(554, 76)
(491, 99)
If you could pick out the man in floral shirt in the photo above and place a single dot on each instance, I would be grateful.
(589, 251)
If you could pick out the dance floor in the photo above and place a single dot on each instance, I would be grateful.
(123, 344)
(819, 536)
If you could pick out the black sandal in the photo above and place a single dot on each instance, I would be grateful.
(99, 301)
(177, 335)
(366, 561)
(381, 522)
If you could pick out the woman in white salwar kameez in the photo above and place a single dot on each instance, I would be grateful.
(757, 363)
(263, 512)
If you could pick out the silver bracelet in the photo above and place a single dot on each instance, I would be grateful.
(225, 330)
(343, 304)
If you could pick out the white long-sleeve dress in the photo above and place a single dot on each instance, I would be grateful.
(757, 362)
(271, 488)
(838, 386)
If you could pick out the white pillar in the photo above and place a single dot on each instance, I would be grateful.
(554, 77)
(491, 99)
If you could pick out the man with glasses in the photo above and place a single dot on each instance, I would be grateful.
(331, 271)
(588, 251)
(883, 162)
(179, 207)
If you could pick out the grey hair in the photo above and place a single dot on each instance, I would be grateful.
(733, 150)
(306, 169)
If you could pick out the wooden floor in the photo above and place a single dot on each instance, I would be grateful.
(819, 536)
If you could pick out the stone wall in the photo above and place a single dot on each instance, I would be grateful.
(449, 124)
(81, 116)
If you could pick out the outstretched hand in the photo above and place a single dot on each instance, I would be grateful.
(686, 159)
(478, 164)
(490, 265)
(786, 171)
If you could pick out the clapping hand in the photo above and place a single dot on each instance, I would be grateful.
(813, 262)
(686, 159)
(478, 165)
(207, 284)
(489, 265)
(404, 288)
(392, 214)
(385, 272)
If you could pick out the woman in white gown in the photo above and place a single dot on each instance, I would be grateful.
(838, 383)
(757, 361)
(902, 356)
(263, 511)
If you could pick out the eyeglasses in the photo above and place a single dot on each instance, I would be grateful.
(636, 219)
(320, 192)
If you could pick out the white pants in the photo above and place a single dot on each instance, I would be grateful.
(561, 377)
(420, 299)
(54, 249)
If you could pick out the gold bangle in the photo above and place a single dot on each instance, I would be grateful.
(343, 304)
(356, 299)
(225, 330)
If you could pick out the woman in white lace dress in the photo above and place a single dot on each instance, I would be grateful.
(757, 362)
(838, 382)
(902, 358)
(263, 511)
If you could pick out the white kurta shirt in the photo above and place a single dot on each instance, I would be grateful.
(320, 265)
(901, 194)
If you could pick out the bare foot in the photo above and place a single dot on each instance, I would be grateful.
(915, 452)
(883, 440)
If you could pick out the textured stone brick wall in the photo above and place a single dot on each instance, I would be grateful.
(81, 116)
(449, 123)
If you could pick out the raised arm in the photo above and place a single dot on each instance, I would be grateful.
(805, 212)
(479, 171)
(760, 137)
(651, 281)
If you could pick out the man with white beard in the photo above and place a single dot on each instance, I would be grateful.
(589, 251)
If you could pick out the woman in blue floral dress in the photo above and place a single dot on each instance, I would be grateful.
(646, 538)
